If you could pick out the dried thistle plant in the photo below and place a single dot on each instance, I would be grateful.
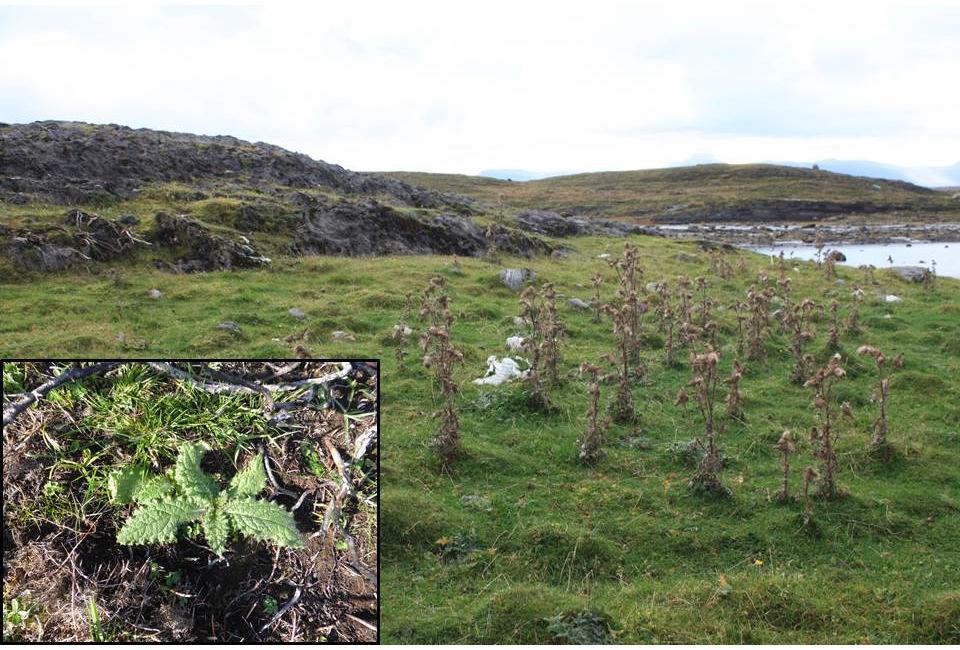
(786, 446)
(597, 282)
(830, 265)
(719, 264)
(705, 383)
(551, 333)
(738, 307)
(441, 356)
(822, 436)
(834, 325)
(853, 320)
(591, 442)
(758, 320)
(622, 407)
(629, 273)
(879, 441)
(539, 309)
(734, 400)
(796, 322)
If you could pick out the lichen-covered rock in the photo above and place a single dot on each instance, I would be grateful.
(514, 279)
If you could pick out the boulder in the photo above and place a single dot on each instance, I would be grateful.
(342, 336)
(155, 294)
(297, 313)
(910, 273)
(579, 305)
(514, 279)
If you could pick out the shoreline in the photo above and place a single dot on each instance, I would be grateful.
(751, 234)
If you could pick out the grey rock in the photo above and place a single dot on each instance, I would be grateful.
(342, 336)
(297, 313)
(910, 273)
(478, 501)
(155, 294)
(516, 278)
(579, 305)
(686, 257)
(229, 326)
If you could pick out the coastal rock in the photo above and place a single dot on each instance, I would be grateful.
(910, 273)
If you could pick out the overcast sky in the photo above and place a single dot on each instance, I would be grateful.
(552, 86)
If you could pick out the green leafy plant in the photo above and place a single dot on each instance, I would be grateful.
(186, 494)
(17, 617)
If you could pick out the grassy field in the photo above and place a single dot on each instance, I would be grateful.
(520, 533)
(647, 193)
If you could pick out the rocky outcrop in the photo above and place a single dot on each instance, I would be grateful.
(369, 228)
(553, 224)
(197, 249)
(82, 237)
(74, 162)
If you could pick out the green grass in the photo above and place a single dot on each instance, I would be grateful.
(625, 538)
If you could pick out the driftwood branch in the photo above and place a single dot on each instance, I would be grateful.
(11, 412)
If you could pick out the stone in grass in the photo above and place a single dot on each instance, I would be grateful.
(478, 501)
(297, 313)
(228, 326)
(155, 294)
(342, 336)
(579, 305)
(516, 278)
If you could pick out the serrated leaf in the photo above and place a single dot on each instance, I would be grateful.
(264, 521)
(249, 481)
(155, 488)
(190, 477)
(124, 484)
(158, 521)
(216, 528)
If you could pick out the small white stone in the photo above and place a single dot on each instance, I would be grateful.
(893, 298)
(155, 294)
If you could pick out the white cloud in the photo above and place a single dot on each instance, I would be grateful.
(451, 87)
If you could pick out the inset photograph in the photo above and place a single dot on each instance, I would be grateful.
(201, 502)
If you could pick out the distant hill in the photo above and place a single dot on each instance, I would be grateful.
(759, 192)
(927, 176)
